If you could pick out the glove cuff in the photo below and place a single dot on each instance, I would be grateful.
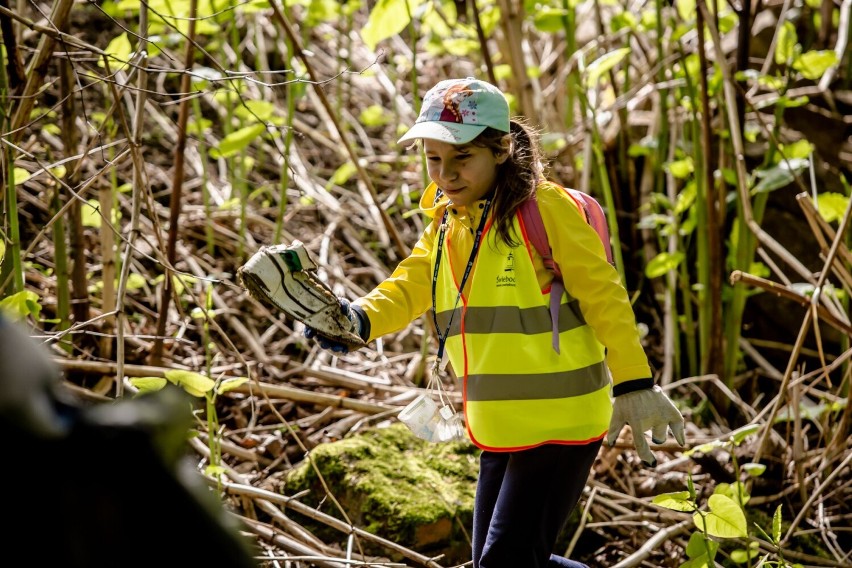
(632, 386)
(362, 321)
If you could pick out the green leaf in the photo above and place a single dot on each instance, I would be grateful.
(148, 384)
(550, 20)
(831, 206)
(685, 9)
(194, 383)
(700, 562)
(785, 46)
(743, 555)
(18, 306)
(740, 434)
(120, 49)
(238, 140)
(230, 384)
(776, 524)
(255, 111)
(813, 64)
(677, 501)
(91, 214)
(20, 175)
(374, 115)
(603, 64)
(725, 519)
(387, 18)
(778, 176)
(136, 281)
(343, 174)
(698, 546)
(799, 149)
(734, 491)
(754, 469)
(320, 11)
(680, 168)
(663, 263)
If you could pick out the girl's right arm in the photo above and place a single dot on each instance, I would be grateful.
(406, 294)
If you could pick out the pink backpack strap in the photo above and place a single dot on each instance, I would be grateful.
(534, 227)
(596, 217)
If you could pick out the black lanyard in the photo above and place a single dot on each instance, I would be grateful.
(442, 338)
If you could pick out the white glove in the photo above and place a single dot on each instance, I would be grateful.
(646, 409)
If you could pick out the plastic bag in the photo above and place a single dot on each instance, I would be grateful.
(429, 422)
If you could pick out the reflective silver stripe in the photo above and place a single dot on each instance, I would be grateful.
(512, 319)
(538, 386)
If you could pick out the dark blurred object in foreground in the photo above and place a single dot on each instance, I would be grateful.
(102, 485)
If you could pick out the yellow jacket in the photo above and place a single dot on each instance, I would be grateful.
(407, 293)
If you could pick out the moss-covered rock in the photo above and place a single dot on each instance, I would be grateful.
(397, 486)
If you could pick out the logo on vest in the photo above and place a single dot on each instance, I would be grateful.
(508, 276)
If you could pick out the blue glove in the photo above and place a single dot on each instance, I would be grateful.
(359, 320)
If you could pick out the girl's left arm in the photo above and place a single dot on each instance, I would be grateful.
(595, 283)
(406, 294)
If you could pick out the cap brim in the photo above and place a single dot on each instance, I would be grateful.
(450, 132)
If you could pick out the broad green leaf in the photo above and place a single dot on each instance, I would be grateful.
(699, 562)
(91, 213)
(735, 492)
(387, 18)
(374, 115)
(237, 141)
(740, 434)
(743, 555)
(255, 111)
(813, 64)
(194, 383)
(230, 384)
(663, 263)
(754, 469)
(831, 206)
(681, 168)
(198, 126)
(603, 64)
(699, 545)
(136, 281)
(20, 305)
(343, 174)
(550, 20)
(677, 501)
(320, 11)
(800, 149)
(786, 43)
(460, 47)
(120, 49)
(725, 519)
(148, 384)
(20, 175)
(778, 176)
(685, 9)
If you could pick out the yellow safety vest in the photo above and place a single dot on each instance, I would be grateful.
(518, 392)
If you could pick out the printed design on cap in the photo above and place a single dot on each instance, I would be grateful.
(457, 104)
(453, 99)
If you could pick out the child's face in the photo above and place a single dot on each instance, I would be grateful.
(464, 172)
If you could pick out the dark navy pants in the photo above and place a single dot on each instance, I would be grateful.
(522, 502)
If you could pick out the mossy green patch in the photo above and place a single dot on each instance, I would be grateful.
(396, 486)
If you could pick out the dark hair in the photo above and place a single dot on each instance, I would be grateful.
(517, 177)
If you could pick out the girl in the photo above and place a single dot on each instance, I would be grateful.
(538, 413)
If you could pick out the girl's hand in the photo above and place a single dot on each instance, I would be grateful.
(356, 316)
(647, 409)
